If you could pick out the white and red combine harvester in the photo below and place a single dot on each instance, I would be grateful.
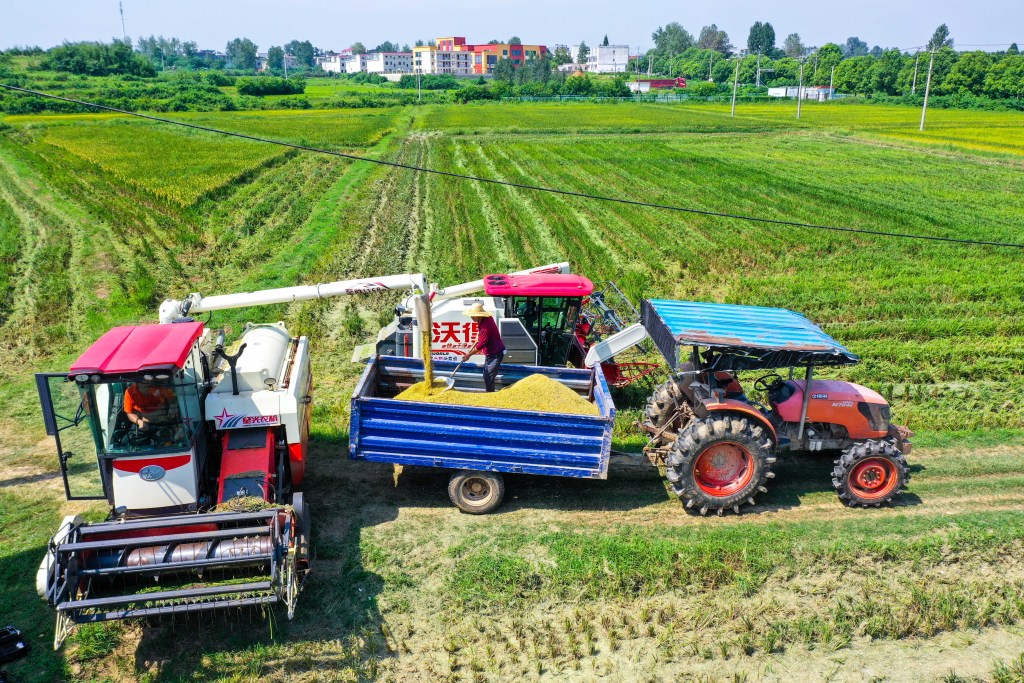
(197, 449)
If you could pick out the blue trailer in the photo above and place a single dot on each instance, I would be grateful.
(480, 444)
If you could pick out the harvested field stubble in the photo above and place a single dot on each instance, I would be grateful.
(535, 392)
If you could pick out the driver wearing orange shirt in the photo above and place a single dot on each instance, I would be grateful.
(142, 402)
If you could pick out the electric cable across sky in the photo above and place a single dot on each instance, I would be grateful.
(525, 186)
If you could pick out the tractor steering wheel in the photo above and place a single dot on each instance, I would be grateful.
(768, 383)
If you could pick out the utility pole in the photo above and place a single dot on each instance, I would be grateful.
(927, 88)
(831, 84)
(124, 34)
(419, 93)
(735, 85)
(913, 87)
(758, 78)
(800, 89)
(284, 63)
(650, 61)
(711, 63)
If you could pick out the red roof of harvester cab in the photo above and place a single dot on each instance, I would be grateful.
(139, 347)
(537, 285)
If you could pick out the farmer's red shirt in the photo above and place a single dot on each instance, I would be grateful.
(488, 338)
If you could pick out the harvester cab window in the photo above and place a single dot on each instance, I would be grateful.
(169, 409)
(551, 322)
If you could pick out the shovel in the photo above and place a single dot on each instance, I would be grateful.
(450, 382)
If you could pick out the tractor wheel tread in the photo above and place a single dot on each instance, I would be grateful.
(701, 434)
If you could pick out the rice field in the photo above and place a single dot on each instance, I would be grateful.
(101, 219)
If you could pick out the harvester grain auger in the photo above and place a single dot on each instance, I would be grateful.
(198, 451)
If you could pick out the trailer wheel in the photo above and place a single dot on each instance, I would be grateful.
(870, 473)
(666, 404)
(476, 493)
(719, 463)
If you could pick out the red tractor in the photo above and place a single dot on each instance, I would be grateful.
(718, 444)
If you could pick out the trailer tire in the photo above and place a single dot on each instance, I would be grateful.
(720, 462)
(475, 492)
(665, 404)
(870, 473)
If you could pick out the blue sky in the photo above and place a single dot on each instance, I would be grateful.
(327, 24)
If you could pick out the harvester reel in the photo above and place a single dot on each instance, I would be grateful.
(870, 473)
(719, 463)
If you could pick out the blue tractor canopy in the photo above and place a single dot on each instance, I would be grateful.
(740, 337)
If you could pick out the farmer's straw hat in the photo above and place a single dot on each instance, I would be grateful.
(477, 311)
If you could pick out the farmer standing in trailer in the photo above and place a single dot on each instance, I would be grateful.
(488, 341)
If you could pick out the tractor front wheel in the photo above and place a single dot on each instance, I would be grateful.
(719, 463)
(870, 473)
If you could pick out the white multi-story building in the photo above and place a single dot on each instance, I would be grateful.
(387, 63)
(603, 59)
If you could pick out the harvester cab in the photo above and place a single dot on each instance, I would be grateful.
(718, 443)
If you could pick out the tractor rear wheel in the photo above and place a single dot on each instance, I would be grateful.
(719, 463)
(870, 473)
(667, 404)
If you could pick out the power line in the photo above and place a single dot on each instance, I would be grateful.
(524, 186)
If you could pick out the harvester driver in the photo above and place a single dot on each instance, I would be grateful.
(488, 341)
(145, 402)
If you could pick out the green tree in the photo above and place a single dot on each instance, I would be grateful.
(876, 52)
(1013, 49)
(582, 52)
(854, 47)
(275, 57)
(514, 40)
(241, 53)
(387, 46)
(98, 59)
(829, 56)
(358, 48)
(303, 52)
(968, 74)
(713, 39)
(885, 73)
(793, 46)
(578, 85)
(420, 43)
(562, 55)
(672, 39)
(940, 38)
(605, 41)
(1006, 77)
(504, 70)
(853, 75)
(761, 38)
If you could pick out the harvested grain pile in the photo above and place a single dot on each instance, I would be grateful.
(244, 504)
(535, 392)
